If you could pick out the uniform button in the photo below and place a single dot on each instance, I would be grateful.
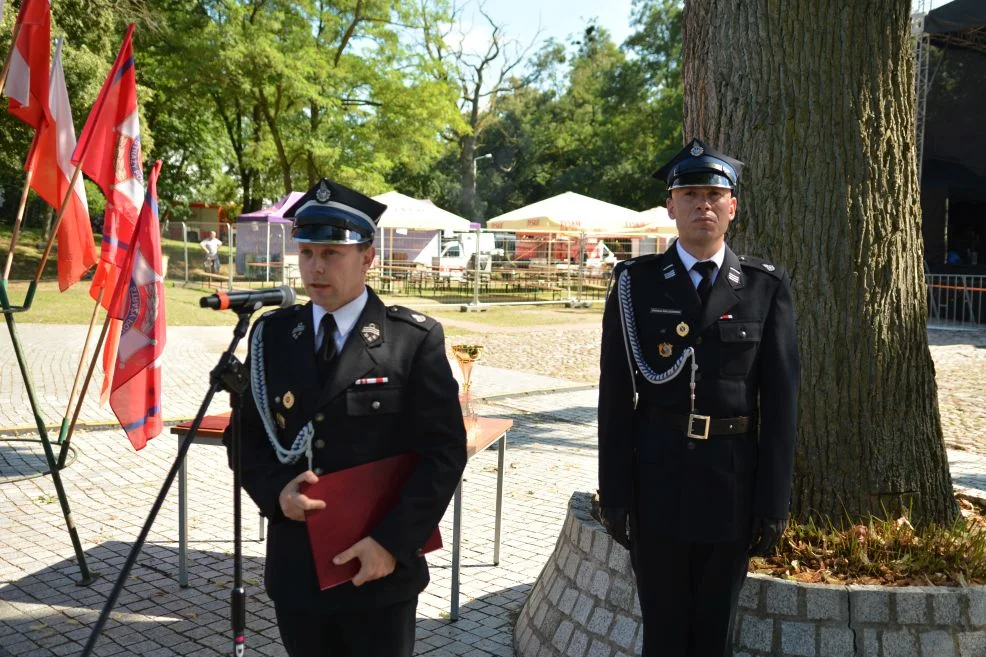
(277, 400)
(742, 334)
(698, 340)
(375, 405)
(319, 471)
(319, 444)
(319, 417)
(691, 445)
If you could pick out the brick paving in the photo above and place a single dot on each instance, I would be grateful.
(550, 454)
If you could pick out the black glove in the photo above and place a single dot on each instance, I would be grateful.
(764, 536)
(615, 521)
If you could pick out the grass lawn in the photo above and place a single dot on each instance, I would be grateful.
(74, 306)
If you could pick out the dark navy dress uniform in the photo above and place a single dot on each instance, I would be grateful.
(692, 500)
(416, 410)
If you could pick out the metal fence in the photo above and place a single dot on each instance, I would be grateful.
(475, 268)
(956, 300)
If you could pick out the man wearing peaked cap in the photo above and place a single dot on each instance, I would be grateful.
(697, 396)
(336, 383)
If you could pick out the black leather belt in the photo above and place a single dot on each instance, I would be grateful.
(701, 427)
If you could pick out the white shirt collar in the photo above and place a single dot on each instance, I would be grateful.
(688, 260)
(345, 317)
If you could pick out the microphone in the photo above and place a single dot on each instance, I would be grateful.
(249, 300)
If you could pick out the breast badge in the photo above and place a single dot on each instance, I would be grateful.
(682, 329)
(664, 349)
(288, 400)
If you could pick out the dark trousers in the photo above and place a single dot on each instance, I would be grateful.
(383, 632)
(688, 595)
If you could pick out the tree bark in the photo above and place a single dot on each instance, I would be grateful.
(817, 97)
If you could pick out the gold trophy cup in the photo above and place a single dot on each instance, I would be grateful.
(466, 355)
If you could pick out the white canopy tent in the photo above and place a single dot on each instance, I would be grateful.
(410, 230)
(413, 214)
(658, 223)
(569, 213)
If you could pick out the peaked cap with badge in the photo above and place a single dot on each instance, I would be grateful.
(698, 165)
(697, 421)
(331, 213)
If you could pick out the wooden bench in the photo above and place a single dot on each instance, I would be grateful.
(218, 279)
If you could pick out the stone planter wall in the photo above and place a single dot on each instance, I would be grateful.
(584, 604)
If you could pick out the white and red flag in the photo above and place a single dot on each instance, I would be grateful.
(138, 304)
(27, 78)
(109, 151)
(50, 164)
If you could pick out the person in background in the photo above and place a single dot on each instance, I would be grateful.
(211, 246)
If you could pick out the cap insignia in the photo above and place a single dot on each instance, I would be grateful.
(371, 332)
(696, 150)
(323, 193)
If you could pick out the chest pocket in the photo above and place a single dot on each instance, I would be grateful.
(380, 401)
(739, 347)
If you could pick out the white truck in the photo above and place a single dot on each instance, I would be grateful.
(456, 253)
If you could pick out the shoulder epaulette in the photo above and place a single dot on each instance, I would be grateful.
(412, 317)
(281, 312)
(759, 264)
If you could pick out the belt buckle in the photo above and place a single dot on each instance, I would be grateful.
(703, 422)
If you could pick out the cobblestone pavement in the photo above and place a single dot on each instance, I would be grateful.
(550, 454)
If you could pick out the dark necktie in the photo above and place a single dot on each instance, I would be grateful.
(704, 269)
(327, 351)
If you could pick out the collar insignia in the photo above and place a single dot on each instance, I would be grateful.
(298, 330)
(371, 332)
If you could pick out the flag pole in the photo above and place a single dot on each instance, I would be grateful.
(17, 222)
(65, 432)
(10, 53)
(85, 387)
(51, 238)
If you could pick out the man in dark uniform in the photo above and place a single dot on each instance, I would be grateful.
(339, 382)
(697, 400)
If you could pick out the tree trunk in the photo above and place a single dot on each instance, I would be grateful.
(817, 98)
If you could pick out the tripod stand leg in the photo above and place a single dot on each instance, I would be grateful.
(86, 576)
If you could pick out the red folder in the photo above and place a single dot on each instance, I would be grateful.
(356, 500)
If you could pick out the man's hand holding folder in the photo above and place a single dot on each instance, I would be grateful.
(374, 560)
(293, 502)
(353, 502)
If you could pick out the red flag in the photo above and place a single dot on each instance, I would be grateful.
(138, 302)
(109, 150)
(50, 162)
(27, 77)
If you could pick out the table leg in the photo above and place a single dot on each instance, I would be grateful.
(182, 525)
(501, 452)
(456, 536)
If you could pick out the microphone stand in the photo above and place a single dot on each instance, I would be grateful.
(232, 376)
